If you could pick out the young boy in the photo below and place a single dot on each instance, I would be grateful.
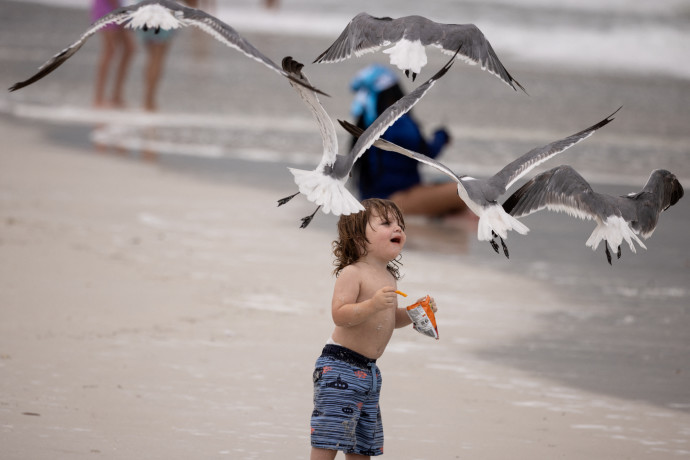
(365, 311)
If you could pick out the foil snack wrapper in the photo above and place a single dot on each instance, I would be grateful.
(423, 319)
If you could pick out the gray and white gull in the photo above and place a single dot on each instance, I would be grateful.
(325, 185)
(618, 218)
(158, 15)
(481, 195)
(409, 37)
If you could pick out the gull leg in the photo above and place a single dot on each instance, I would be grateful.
(282, 201)
(307, 220)
(492, 242)
(619, 252)
(407, 73)
(414, 75)
(608, 253)
(505, 248)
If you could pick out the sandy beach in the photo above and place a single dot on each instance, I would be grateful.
(162, 307)
(147, 314)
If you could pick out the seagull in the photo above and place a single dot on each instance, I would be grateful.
(409, 36)
(481, 195)
(158, 15)
(325, 185)
(618, 218)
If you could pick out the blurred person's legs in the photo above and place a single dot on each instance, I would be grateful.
(115, 40)
(157, 51)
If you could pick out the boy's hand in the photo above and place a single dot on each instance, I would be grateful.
(432, 303)
(384, 298)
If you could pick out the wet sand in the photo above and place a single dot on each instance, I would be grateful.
(153, 315)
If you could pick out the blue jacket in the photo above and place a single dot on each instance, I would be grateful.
(383, 173)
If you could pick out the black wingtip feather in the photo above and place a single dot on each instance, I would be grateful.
(356, 131)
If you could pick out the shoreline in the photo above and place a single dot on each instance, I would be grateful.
(180, 318)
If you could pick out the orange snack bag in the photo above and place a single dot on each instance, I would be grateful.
(423, 318)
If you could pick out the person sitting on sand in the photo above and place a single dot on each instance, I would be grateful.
(383, 174)
(347, 382)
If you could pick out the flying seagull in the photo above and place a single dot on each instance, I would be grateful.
(481, 195)
(409, 36)
(618, 218)
(325, 185)
(158, 15)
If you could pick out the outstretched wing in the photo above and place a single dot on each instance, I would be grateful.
(229, 36)
(300, 83)
(153, 13)
(474, 49)
(560, 189)
(344, 164)
(363, 34)
(117, 16)
(391, 147)
(514, 170)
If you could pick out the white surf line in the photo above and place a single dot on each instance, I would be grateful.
(85, 115)
(126, 129)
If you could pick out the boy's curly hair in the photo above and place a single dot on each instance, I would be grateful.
(352, 241)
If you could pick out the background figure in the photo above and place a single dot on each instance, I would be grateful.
(382, 174)
(116, 40)
(157, 44)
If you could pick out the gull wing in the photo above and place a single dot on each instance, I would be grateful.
(117, 16)
(301, 84)
(363, 34)
(560, 189)
(391, 147)
(474, 49)
(384, 121)
(514, 170)
(134, 14)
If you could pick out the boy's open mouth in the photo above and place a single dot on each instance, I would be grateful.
(395, 240)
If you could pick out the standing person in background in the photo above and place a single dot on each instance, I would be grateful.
(157, 44)
(117, 42)
(389, 175)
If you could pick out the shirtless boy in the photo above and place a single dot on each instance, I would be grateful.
(365, 311)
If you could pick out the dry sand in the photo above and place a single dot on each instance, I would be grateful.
(150, 315)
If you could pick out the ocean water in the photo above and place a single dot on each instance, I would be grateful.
(581, 59)
(635, 36)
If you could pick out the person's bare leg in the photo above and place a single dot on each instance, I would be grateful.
(154, 71)
(322, 454)
(107, 53)
(430, 200)
(127, 47)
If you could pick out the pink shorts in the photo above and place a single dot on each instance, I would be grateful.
(100, 8)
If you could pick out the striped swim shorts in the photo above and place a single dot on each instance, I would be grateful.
(346, 414)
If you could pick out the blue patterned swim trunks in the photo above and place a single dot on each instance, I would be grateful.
(346, 413)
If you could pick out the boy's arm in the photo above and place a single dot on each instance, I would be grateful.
(346, 311)
(402, 319)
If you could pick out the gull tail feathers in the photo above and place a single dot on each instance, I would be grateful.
(496, 220)
(614, 230)
(327, 192)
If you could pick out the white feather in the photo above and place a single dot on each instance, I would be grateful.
(154, 16)
(327, 192)
(408, 55)
(495, 218)
(614, 230)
